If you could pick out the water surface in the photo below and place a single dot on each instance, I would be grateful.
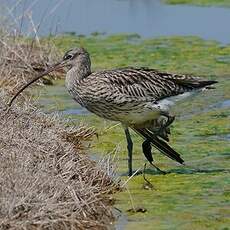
(148, 18)
(192, 196)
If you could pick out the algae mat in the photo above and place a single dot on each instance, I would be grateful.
(195, 196)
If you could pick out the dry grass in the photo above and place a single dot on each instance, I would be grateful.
(47, 181)
(22, 58)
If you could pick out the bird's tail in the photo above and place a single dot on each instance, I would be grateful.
(195, 83)
(159, 144)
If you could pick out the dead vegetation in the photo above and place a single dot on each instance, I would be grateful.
(47, 181)
(21, 59)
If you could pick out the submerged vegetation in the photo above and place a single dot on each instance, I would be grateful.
(194, 196)
(221, 3)
(48, 180)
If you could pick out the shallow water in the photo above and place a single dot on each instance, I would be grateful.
(148, 18)
(79, 111)
(190, 196)
(223, 104)
(194, 196)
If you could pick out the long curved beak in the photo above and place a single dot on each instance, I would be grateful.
(56, 66)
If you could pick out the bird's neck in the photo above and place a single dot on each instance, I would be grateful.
(80, 71)
(75, 75)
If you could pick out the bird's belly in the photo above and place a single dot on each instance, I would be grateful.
(130, 114)
(138, 117)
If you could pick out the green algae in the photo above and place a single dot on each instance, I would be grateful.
(180, 201)
(179, 54)
(194, 196)
(219, 3)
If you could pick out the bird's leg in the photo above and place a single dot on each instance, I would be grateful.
(130, 150)
(147, 185)
(144, 168)
(146, 147)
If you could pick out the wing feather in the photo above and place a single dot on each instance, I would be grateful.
(150, 84)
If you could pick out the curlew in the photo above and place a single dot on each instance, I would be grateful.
(139, 98)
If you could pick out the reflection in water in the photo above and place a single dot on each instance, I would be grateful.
(149, 18)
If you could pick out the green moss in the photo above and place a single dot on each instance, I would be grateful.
(194, 196)
(221, 3)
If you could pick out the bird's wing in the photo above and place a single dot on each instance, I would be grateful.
(150, 83)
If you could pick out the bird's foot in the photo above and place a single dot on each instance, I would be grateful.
(164, 129)
(169, 121)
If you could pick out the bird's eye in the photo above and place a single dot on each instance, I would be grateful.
(67, 56)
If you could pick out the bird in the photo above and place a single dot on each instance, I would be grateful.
(139, 98)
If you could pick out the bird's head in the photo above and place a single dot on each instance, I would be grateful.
(76, 57)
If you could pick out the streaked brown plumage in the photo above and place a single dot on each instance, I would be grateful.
(138, 98)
